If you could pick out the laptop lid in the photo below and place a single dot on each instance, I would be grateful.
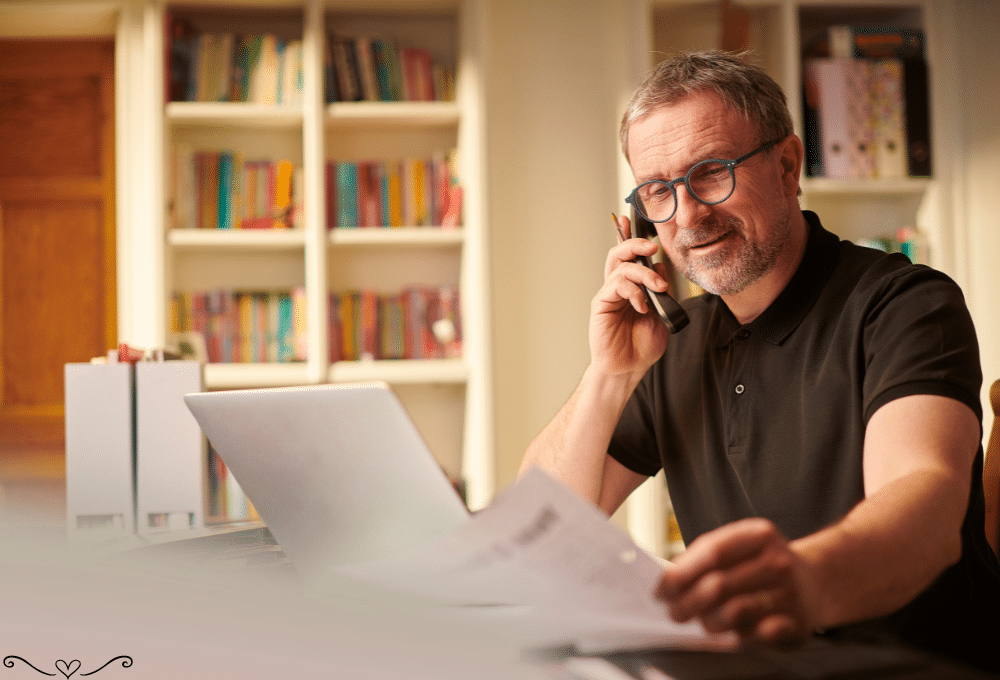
(338, 473)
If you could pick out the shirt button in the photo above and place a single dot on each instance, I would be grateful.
(740, 389)
(743, 334)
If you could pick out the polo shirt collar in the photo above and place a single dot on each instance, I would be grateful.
(793, 303)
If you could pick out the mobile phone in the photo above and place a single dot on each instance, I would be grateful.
(669, 310)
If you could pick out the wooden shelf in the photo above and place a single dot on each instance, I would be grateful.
(401, 236)
(237, 239)
(239, 376)
(393, 114)
(233, 113)
(399, 372)
(889, 187)
(402, 371)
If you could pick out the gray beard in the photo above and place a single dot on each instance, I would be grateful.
(728, 272)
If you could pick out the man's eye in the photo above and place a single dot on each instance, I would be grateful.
(656, 190)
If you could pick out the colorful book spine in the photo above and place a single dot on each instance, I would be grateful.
(224, 67)
(366, 68)
(347, 195)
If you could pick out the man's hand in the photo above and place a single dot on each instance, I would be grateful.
(742, 577)
(624, 336)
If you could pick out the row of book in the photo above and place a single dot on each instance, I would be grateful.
(226, 501)
(366, 68)
(393, 193)
(221, 189)
(228, 67)
(866, 105)
(243, 327)
(421, 322)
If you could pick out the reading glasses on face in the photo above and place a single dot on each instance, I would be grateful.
(711, 182)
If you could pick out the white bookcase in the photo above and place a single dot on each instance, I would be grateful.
(851, 208)
(449, 399)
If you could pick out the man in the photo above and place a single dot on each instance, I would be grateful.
(818, 421)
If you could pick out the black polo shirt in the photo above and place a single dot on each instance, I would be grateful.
(768, 419)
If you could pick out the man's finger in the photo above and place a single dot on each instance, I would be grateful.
(719, 549)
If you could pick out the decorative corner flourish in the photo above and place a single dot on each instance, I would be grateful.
(67, 668)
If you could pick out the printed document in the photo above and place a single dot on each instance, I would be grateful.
(544, 550)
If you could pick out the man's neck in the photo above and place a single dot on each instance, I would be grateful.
(751, 302)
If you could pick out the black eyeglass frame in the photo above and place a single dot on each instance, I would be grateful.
(633, 198)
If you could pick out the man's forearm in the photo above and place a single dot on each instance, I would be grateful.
(885, 551)
(573, 446)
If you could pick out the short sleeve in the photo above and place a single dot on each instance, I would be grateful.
(633, 443)
(919, 339)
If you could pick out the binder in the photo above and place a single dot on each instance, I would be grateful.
(918, 119)
(837, 92)
(100, 497)
(890, 136)
(170, 448)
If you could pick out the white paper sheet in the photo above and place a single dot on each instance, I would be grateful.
(542, 547)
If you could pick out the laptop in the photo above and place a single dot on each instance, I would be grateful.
(338, 473)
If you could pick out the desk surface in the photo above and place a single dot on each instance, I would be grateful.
(248, 550)
(817, 660)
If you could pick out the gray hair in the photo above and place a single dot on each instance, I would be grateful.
(743, 86)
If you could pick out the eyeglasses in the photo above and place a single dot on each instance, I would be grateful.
(710, 182)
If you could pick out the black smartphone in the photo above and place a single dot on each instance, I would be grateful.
(671, 313)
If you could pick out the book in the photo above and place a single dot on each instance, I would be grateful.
(387, 72)
(299, 322)
(247, 60)
(347, 195)
(346, 68)
(369, 201)
(330, 181)
(335, 329)
(282, 203)
(181, 59)
(225, 191)
(394, 185)
(291, 77)
(418, 191)
(329, 73)
(367, 78)
(263, 83)
(368, 332)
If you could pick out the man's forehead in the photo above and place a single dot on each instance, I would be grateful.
(694, 128)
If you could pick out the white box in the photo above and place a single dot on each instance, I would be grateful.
(100, 497)
(170, 448)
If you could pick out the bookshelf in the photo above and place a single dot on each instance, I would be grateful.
(448, 398)
(852, 208)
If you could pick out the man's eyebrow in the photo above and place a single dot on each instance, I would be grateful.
(702, 157)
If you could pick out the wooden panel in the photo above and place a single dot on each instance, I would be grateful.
(38, 298)
(50, 126)
(57, 251)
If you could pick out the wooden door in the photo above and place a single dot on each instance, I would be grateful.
(57, 250)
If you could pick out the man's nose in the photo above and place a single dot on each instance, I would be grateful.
(690, 211)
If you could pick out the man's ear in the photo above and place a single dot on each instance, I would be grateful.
(792, 151)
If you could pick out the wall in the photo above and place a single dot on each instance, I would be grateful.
(555, 80)
(978, 24)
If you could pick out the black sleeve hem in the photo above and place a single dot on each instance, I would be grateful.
(631, 462)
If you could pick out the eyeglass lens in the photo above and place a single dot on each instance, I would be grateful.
(709, 182)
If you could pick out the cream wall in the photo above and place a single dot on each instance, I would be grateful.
(557, 74)
(979, 70)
